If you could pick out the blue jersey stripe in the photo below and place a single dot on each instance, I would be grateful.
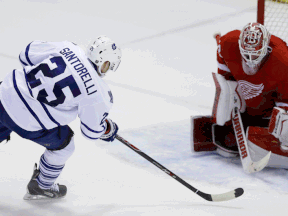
(49, 114)
(43, 105)
(91, 129)
(88, 136)
(22, 61)
(27, 54)
(27, 83)
(25, 102)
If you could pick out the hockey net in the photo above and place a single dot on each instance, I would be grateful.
(274, 15)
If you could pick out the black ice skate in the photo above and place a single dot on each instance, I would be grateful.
(34, 192)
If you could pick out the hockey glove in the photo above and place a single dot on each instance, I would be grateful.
(111, 131)
(278, 126)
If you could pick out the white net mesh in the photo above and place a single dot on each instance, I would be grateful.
(276, 18)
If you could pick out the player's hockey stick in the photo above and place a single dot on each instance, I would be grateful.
(249, 166)
(210, 197)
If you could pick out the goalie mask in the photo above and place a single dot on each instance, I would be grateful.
(253, 44)
(104, 53)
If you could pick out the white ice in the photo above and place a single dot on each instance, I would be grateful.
(164, 78)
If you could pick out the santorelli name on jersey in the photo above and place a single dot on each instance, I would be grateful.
(81, 70)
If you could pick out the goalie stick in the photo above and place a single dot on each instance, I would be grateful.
(249, 166)
(209, 197)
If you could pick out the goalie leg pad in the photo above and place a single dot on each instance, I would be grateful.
(260, 142)
(201, 134)
(228, 96)
(207, 136)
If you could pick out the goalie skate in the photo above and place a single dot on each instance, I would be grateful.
(34, 192)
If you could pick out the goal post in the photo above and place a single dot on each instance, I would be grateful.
(260, 11)
(274, 15)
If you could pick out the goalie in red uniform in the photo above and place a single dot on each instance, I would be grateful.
(253, 76)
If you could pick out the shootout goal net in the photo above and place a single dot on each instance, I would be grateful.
(274, 15)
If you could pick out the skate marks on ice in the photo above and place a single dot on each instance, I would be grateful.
(190, 26)
(173, 99)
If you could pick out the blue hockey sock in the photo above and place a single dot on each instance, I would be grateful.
(48, 173)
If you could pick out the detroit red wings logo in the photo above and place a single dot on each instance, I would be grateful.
(250, 90)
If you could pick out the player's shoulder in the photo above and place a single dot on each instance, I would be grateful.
(97, 91)
(51, 47)
(276, 41)
(104, 91)
(232, 36)
(229, 45)
(279, 48)
(277, 61)
(73, 47)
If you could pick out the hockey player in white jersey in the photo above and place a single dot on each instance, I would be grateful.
(58, 82)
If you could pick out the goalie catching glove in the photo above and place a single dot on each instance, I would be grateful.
(111, 131)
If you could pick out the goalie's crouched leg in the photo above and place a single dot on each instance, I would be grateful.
(260, 142)
(207, 136)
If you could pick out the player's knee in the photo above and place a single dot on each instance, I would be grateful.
(67, 139)
(59, 157)
(70, 148)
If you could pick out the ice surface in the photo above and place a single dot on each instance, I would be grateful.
(164, 78)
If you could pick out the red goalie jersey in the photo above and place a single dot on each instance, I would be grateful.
(258, 62)
(265, 89)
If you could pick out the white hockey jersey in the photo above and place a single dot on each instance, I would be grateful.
(56, 84)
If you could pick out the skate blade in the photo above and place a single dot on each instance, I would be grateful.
(28, 196)
(34, 197)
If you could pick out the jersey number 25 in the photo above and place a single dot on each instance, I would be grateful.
(68, 81)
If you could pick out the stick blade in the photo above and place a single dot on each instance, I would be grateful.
(227, 196)
(222, 197)
(259, 165)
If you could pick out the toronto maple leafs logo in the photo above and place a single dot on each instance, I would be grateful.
(250, 90)
(111, 96)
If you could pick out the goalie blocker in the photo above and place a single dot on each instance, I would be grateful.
(207, 135)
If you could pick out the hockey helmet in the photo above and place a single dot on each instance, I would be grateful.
(104, 53)
(253, 44)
